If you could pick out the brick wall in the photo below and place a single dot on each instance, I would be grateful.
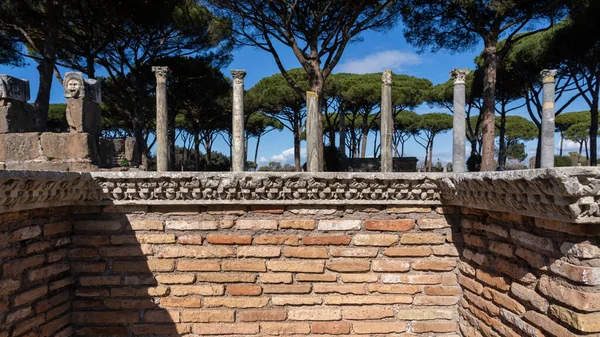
(35, 286)
(523, 276)
(265, 271)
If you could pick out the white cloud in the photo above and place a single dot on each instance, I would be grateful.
(380, 61)
(569, 146)
(285, 157)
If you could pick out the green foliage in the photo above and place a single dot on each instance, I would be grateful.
(562, 161)
(474, 163)
(518, 129)
(57, 118)
(565, 120)
(435, 122)
(259, 123)
(125, 163)
(516, 151)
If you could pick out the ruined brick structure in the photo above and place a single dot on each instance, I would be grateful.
(262, 254)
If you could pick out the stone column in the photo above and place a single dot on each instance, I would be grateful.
(387, 122)
(314, 140)
(162, 123)
(458, 124)
(547, 153)
(237, 128)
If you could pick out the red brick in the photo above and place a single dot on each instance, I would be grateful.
(378, 327)
(254, 315)
(26, 233)
(287, 289)
(297, 266)
(48, 271)
(326, 240)
(285, 328)
(391, 265)
(306, 252)
(191, 239)
(297, 224)
(207, 316)
(397, 225)
(15, 268)
(183, 302)
(291, 240)
(434, 265)
(416, 251)
(198, 265)
(356, 289)
(106, 317)
(30, 295)
(243, 265)
(367, 313)
(433, 326)
(244, 290)
(333, 328)
(349, 265)
(254, 224)
(229, 239)
(57, 228)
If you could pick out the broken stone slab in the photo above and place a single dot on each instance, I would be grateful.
(16, 115)
(83, 104)
(13, 88)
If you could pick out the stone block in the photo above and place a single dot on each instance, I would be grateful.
(17, 117)
(69, 146)
(84, 116)
(19, 146)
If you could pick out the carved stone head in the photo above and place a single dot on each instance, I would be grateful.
(74, 85)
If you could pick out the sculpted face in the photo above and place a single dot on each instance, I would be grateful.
(74, 88)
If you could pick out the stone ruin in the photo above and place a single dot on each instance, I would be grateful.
(25, 145)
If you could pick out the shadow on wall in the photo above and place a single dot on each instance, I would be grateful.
(117, 293)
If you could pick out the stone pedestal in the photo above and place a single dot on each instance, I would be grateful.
(84, 116)
(548, 124)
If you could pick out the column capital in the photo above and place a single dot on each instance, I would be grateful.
(386, 77)
(162, 73)
(459, 75)
(238, 74)
(548, 75)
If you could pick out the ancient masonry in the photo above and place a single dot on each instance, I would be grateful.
(24, 144)
(274, 254)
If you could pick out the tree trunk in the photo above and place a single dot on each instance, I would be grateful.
(594, 130)
(197, 149)
(587, 154)
(90, 66)
(171, 136)
(297, 163)
(502, 149)
(46, 65)
(562, 138)
(579, 154)
(426, 157)
(363, 145)
(489, 102)
(430, 161)
(256, 152)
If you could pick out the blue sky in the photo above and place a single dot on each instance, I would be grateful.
(374, 53)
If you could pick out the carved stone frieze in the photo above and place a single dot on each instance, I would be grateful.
(566, 194)
(269, 188)
(21, 190)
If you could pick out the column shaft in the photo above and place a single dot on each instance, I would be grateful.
(387, 123)
(459, 121)
(313, 139)
(162, 122)
(548, 127)
(237, 129)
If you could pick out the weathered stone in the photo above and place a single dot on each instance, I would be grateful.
(237, 129)
(458, 125)
(69, 146)
(588, 322)
(19, 146)
(162, 122)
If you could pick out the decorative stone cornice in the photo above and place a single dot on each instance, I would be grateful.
(565, 194)
(161, 73)
(22, 190)
(268, 188)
